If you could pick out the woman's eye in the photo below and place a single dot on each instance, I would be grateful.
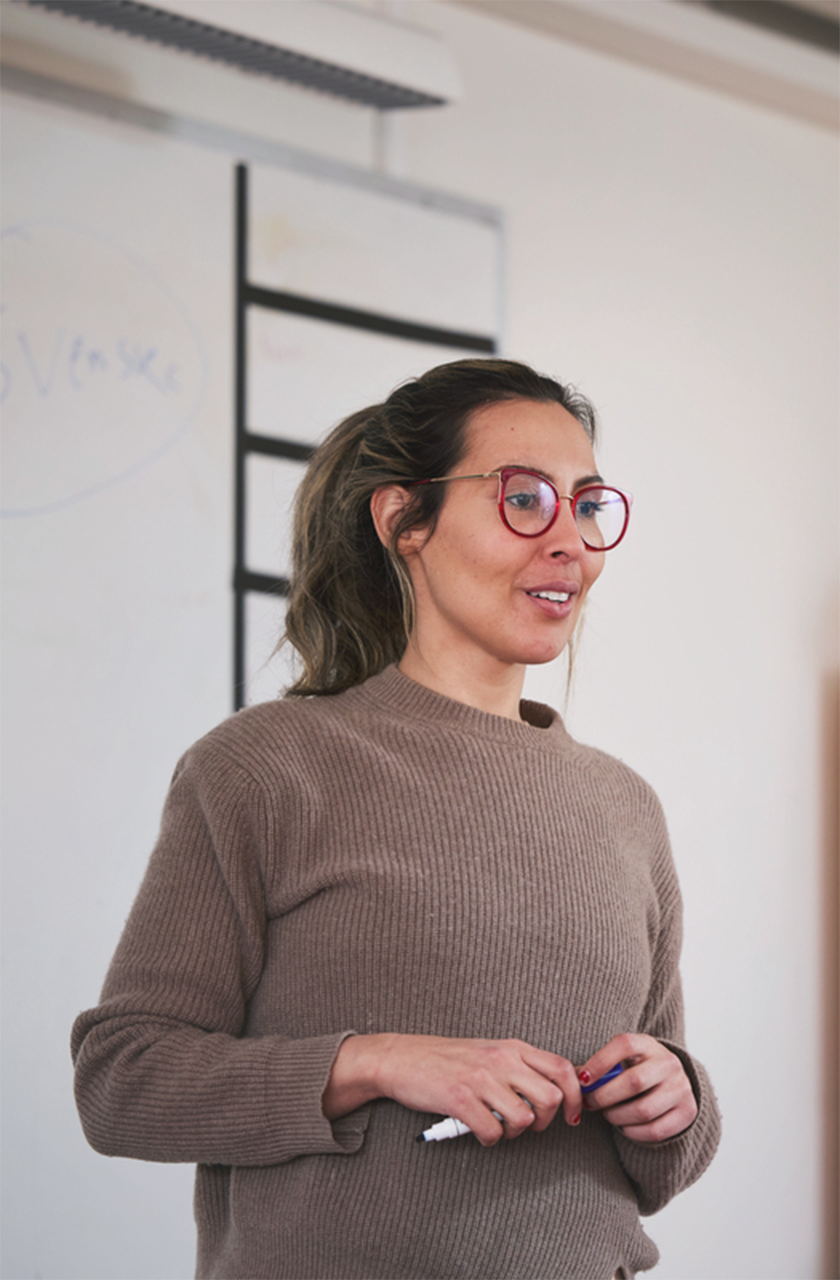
(523, 501)
(589, 510)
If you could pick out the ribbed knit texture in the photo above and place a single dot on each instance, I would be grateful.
(390, 860)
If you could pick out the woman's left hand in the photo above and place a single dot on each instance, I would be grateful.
(651, 1100)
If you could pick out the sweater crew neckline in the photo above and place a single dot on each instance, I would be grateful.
(541, 726)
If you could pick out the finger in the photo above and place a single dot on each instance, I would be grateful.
(486, 1124)
(498, 1111)
(562, 1074)
(665, 1126)
(572, 1096)
(645, 1063)
(511, 1116)
(659, 1078)
(516, 1114)
(633, 1081)
(603, 1080)
(487, 1133)
(542, 1098)
(523, 1095)
(674, 1093)
(624, 1048)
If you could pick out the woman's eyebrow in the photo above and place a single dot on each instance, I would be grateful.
(581, 484)
(578, 484)
(528, 466)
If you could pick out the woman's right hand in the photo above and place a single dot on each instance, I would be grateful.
(469, 1079)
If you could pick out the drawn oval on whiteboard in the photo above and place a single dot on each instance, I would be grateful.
(103, 369)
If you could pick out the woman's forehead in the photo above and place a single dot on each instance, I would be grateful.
(528, 433)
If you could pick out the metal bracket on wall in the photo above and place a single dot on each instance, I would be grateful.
(249, 442)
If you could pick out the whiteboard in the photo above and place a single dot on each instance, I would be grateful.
(115, 484)
(305, 376)
(117, 490)
(368, 249)
(104, 366)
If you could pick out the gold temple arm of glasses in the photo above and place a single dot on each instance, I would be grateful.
(486, 475)
(481, 475)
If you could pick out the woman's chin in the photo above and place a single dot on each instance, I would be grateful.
(537, 655)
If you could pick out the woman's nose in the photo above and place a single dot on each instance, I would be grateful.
(563, 537)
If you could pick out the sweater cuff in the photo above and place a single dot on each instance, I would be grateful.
(660, 1170)
(297, 1072)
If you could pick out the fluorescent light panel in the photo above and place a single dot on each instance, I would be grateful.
(326, 47)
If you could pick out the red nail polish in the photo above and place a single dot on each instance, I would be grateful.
(584, 1077)
(576, 1119)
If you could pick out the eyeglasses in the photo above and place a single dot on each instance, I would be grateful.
(529, 505)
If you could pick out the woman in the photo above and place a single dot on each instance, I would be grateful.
(410, 894)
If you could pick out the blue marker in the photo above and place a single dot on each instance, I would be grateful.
(604, 1079)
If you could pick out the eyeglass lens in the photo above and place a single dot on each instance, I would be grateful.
(529, 505)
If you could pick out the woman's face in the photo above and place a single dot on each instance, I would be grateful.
(485, 595)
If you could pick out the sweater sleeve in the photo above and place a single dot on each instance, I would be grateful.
(659, 1171)
(163, 1070)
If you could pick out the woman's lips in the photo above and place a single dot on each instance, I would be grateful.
(556, 600)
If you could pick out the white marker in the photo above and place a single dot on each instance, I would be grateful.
(448, 1128)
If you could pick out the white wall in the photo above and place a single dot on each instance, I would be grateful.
(673, 252)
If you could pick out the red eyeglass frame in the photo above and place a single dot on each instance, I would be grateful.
(504, 473)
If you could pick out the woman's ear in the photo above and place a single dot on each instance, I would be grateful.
(387, 504)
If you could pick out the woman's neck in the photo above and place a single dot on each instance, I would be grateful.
(497, 691)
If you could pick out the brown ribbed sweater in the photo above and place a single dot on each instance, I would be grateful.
(390, 860)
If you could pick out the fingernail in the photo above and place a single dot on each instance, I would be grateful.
(575, 1119)
(584, 1077)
